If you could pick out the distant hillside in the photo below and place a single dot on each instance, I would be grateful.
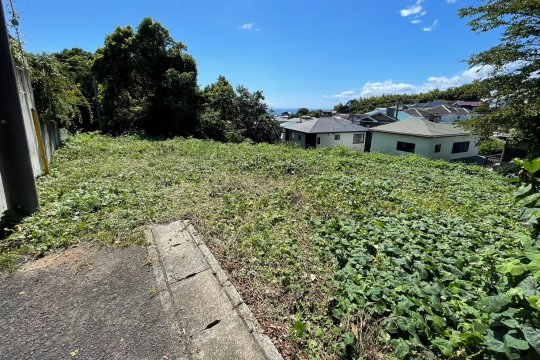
(468, 92)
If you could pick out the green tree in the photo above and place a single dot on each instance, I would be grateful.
(148, 82)
(302, 112)
(342, 109)
(316, 113)
(236, 114)
(220, 96)
(77, 66)
(252, 117)
(515, 64)
(58, 99)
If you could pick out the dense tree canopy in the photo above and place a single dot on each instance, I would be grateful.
(57, 97)
(235, 115)
(302, 112)
(515, 81)
(77, 67)
(148, 81)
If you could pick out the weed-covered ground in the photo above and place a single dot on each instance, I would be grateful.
(339, 254)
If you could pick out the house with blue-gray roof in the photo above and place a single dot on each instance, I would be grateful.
(326, 132)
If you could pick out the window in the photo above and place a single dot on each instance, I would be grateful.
(337, 137)
(460, 147)
(438, 148)
(318, 140)
(358, 138)
(299, 137)
(405, 146)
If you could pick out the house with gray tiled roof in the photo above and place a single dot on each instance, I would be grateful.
(424, 138)
(326, 132)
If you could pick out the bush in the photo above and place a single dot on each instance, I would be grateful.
(490, 147)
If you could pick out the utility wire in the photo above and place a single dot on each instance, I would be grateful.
(15, 23)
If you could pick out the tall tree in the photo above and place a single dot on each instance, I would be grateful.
(148, 81)
(515, 64)
(220, 96)
(77, 66)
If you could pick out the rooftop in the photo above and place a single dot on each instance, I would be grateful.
(325, 125)
(423, 128)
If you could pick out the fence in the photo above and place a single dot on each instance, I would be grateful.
(51, 134)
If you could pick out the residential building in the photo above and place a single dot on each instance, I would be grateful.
(441, 113)
(327, 132)
(426, 139)
(469, 105)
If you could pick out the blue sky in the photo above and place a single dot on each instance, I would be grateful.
(299, 53)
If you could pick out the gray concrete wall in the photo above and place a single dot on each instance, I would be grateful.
(51, 134)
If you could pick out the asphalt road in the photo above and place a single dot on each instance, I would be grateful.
(83, 303)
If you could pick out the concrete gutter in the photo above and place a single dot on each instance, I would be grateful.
(206, 316)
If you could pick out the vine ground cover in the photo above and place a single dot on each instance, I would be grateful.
(340, 254)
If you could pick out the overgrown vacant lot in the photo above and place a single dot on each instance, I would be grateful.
(338, 253)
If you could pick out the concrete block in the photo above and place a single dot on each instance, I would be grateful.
(227, 340)
(182, 261)
(202, 301)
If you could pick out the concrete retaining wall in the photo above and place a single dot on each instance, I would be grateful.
(51, 134)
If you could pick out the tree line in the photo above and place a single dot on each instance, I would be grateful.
(142, 80)
(467, 92)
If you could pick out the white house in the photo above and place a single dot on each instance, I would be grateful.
(424, 138)
(441, 114)
(326, 132)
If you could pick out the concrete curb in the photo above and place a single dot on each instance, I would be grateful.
(236, 299)
(164, 242)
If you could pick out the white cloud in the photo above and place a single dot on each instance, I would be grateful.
(345, 94)
(386, 87)
(432, 27)
(389, 87)
(249, 27)
(414, 9)
(416, 21)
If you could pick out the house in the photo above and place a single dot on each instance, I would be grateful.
(441, 113)
(388, 115)
(469, 105)
(327, 132)
(424, 138)
(424, 105)
(374, 118)
(403, 116)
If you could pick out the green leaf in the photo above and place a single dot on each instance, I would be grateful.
(523, 191)
(438, 323)
(534, 268)
(493, 304)
(512, 341)
(532, 335)
(348, 338)
(530, 286)
(532, 166)
(401, 348)
(444, 346)
(534, 301)
(514, 267)
(532, 253)
(494, 344)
